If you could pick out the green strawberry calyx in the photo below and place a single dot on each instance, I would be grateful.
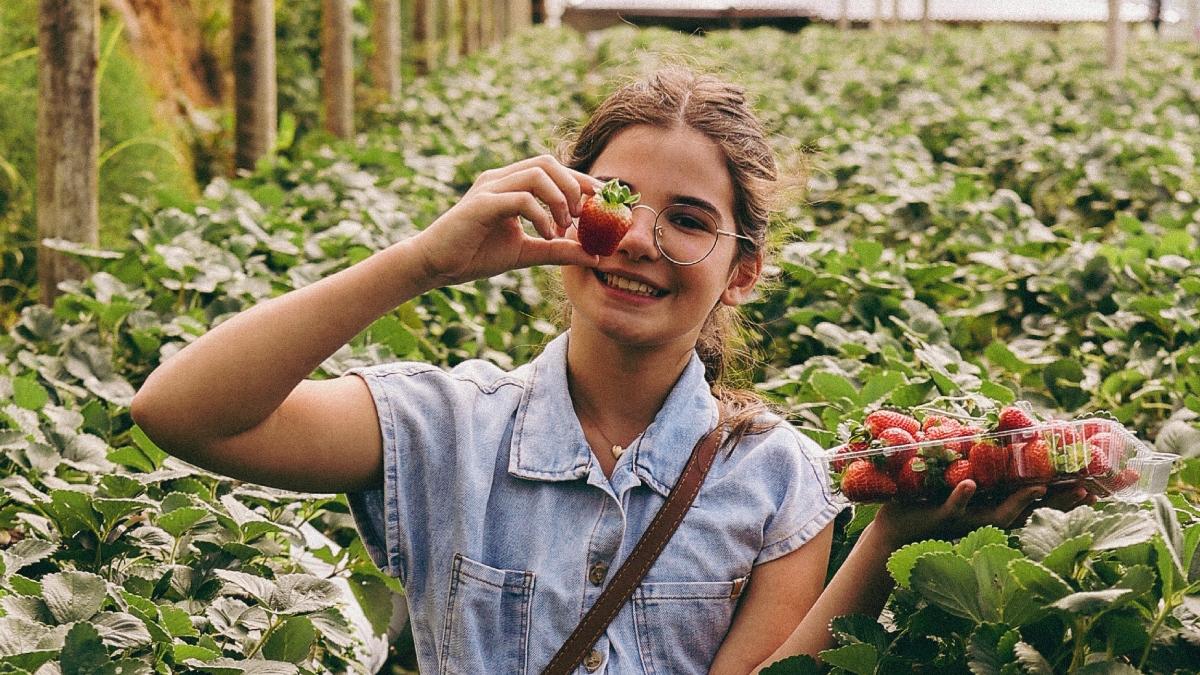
(613, 193)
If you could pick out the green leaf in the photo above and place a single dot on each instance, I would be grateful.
(181, 519)
(303, 593)
(855, 628)
(977, 539)
(177, 622)
(1062, 378)
(834, 388)
(155, 454)
(72, 512)
(997, 392)
(990, 648)
(1040, 581)
(83, 653)
(28, 394)
(878, 386)
(857, 658)
(1048, 528)
(998, 353)
(182, 651)
(1069, 554)
(1090, 602)
(1031, 660)
(291, 641)
(121, 630)
(900, 563)
(794, 665)
(375, 600)
(947, 580)
(73, 596)
(911, 395)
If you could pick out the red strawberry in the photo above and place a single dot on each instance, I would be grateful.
(958, 471)
(1035, 461)
(967, 433)
(989, 463)
(1125, 479)
(891, 438)
(1093, 427)
(840, 464)
(1012, 417)
(1099, 465)
(605, 218)
(1061, 435)
(910, 480)
(1106, 442)
(943, 432)
(881, 420)
(862, 482)
(937, 421)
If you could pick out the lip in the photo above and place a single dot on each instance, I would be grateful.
(633, 276)
(626, 296)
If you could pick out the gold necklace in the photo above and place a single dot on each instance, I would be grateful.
(617, 450)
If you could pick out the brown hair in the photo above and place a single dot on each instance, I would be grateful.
(676, 95)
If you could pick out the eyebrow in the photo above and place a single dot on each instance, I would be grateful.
(675, 199)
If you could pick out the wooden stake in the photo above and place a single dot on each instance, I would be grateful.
(843, 22)
(253, 33)
(385, 62)
(1115, 47)
(68, 137)
(337, 66)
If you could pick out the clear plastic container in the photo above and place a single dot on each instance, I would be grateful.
(1101, 454)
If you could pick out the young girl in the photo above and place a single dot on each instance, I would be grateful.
(504, 500)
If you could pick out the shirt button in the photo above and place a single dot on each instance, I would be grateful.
(597, 573)
(593, 660)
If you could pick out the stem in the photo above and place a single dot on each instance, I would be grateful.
(1080, 652)
(270, 629)
(1158, 622)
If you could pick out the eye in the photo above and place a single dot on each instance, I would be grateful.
(687, 221)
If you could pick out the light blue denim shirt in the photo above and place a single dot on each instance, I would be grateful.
(503, 528)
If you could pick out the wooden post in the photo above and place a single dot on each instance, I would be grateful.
(1115, 47)
(253, 33)
(468, 10)
(503, 18)
(68, 137)
(1193, 19)
(926, 24)
(450, 38)
(521, 13)
(877, 16)
(385, 62)
(422, 35)
(487, 22)
(337, 68)
(895, 12)
(843, 22)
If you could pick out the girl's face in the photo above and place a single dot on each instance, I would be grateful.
(665, 166)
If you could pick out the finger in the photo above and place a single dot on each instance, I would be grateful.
(537, 182)
(956, 504)
(512, 204)
(1066, 497)
(555, 252)
(1018, 506)
(574, 184)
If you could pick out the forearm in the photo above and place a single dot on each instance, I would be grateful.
(233, 377)
(860, 586)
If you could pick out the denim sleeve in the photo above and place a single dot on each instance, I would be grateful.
(424, 417)
(806, 505)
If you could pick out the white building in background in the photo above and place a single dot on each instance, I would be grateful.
(1174, 13)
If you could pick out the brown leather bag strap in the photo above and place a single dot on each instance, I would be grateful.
(630, 574)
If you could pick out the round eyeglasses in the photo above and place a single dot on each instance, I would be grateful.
(686, 234)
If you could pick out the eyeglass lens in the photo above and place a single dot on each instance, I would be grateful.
(685, 234)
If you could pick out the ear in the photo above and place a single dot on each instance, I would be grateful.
(742, 279)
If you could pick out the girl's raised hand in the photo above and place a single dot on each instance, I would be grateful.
(481, 235)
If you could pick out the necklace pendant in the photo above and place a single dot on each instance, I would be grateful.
(617, 451)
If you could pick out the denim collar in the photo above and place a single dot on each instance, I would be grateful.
(548, 442)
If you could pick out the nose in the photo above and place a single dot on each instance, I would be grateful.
(638, 242)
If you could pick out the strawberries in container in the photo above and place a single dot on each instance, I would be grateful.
(921, 455)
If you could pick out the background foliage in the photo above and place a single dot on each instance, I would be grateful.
(989, 215)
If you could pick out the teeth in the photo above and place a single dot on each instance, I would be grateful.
(629, 285)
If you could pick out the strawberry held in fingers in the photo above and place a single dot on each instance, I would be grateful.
(605, 218)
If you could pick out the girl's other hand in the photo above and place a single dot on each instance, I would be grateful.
(904, 523)
(481, 235)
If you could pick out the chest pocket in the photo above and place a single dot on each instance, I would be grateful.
(487, 619)
(680, 624)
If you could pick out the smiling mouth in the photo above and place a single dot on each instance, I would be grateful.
(629, 285)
